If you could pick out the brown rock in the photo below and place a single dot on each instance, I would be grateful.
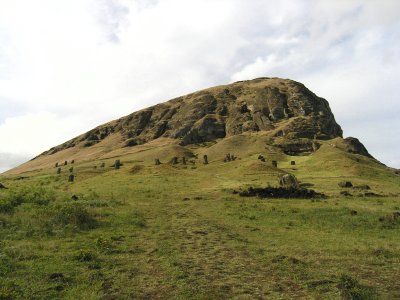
(288, 181)
(345, 184)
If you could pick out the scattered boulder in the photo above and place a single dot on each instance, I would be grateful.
(59, 171)
(157, 162)
(65, 163)
(229, 157)
(103, 164)
(274, 163)
(117, 164)
(72, 161)
(362, 187)
(281, 192)
(2, 186)
(174, 160)
(56, 165)
(345, 184)
(71, 169)
(71, 178)
(74, 197)
(288, 181)
(292, 163)
(353, 212)
(345, 193)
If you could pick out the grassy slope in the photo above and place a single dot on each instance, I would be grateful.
(179, 232)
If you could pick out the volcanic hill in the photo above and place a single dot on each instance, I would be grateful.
(241, 191)
(245, 117)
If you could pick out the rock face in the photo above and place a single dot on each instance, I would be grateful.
(284, 108)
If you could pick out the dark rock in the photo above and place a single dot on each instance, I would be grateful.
(274, 163)
(2, 186)
(117, 164)
(292, 163)
(56, 166)
(353, 212)
(345, 184)
(174, 161)
(71, 178)
(184, 160)
(205, 159)
(362, 187)
(71, 169)
(59, 171)
(214, 113)
(74, 197)
(288, 181)
(65, 163)
(345, 193)
(371, 194)
(353, 145)
(56, 276)
(72, 161)
(281, 192)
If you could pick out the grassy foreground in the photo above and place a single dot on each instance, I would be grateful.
(178, 232)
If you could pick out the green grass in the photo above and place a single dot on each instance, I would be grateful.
(179, 232)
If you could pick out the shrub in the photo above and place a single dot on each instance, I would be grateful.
(6, 206)
(6, 264)
(75, 215)
(104, 245)
(138, 220)
(85, 256)
(351, 289)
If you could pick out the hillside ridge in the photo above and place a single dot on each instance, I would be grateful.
(245, 106)
(282, 113)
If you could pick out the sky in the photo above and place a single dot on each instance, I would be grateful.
(67, 66)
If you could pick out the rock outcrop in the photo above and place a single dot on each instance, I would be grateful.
(294, 117)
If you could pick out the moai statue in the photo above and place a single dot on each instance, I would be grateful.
(228, 157)
(103, 164)
(56, 165)
(293, 163)
(117, 164)
(71, 178)
(71, 169)
(157, 162)
(59, 171)
(184, 160)
(174, 160)
(72, 161)
(275, 163)
(205, 159)
(65, 163)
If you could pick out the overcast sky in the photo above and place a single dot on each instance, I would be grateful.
(67, 66)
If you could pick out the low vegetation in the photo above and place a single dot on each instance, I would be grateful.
(179, 231)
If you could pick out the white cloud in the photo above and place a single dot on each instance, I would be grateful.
(66, 66)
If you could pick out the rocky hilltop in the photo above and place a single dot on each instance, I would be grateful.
(272, 116)
(283, 107)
